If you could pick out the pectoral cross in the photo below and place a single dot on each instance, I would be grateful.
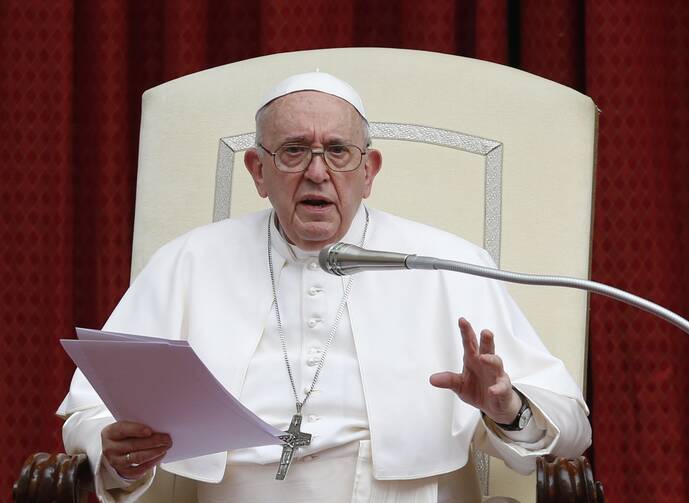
(294, 439)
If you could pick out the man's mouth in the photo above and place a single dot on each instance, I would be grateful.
(315, 202)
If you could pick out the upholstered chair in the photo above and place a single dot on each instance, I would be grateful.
(496, 155)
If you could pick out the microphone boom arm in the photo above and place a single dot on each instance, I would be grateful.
(342, 259)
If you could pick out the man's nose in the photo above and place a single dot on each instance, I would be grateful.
(317, 170)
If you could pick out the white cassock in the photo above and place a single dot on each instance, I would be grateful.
(379, 429)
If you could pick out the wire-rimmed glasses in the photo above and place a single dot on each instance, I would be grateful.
(293, 158)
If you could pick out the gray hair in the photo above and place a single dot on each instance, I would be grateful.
(259, 126)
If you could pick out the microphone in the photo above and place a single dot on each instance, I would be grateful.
(342, 259)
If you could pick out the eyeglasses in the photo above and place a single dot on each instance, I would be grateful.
(293, 158)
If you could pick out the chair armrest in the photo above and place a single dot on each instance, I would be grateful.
(562, 480)
(64, 478)
(53, 478)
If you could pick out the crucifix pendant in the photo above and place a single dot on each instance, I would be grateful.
(295, 439)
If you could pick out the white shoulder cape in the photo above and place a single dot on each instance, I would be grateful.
(211, 286)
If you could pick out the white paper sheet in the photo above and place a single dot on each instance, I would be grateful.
(163, 384)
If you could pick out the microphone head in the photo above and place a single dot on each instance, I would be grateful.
(342, 259)
(327, 258)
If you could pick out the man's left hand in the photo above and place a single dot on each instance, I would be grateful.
(483, 381)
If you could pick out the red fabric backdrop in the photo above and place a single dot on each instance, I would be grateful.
(70, 86)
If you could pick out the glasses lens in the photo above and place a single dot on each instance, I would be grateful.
(293, 157)
(343, 157)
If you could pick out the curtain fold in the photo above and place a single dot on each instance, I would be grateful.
(36, 226)
(637, 71)
(72, 76)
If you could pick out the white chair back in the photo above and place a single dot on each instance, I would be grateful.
(496, 155)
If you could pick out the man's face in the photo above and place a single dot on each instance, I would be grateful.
(314, 207)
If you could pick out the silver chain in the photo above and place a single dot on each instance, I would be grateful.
(333, 328)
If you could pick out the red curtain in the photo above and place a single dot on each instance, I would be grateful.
(70, 86)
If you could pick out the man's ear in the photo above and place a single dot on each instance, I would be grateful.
(253, 164)
(373, 164)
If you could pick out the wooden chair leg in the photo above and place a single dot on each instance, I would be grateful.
(53, 478)
(561, 480)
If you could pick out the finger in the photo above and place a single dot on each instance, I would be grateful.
(493, 362)
(114, 451)
(136, 472)
(138, 458)
(468, 338)
(447, 380)
(492, 368)
(137, 444)
(121, 430)
(487, 345)
(155, 441)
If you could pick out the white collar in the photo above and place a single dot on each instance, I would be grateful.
(293, 253)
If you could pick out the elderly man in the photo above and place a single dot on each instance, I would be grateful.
(346, 362)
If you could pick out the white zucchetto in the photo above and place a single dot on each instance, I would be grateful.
(315, 81)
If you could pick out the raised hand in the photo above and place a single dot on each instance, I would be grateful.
(483, 381)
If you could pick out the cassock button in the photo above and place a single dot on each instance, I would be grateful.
(313, 291)
(313, 266)
(313, 361)
(312, 322)
(313, 418)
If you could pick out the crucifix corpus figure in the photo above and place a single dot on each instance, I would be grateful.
(294, 439)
